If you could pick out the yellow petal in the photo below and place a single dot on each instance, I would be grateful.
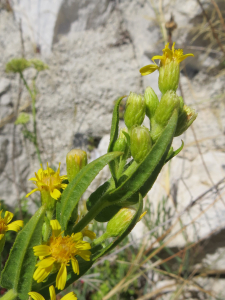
(33, 179)
(183, 57)
(82, 245)
(61, 277)
(156, 57)
(36, 296)
(56, 228)
(55, 194)
(75, 266)
(85, 254)
(15, 226)
(89, 233)
(1, 236)
(8, 217)
(69, 296)
(34, 190)
(40, 274)
(148, 69)
(77, 236)
(41, 250)
(45, 263)
(63, 186)
(52, 292)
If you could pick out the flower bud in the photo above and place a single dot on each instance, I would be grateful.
(135, 110)
(185, 119)
(120, 145)
(167, 104)
(119, 222)
(181, 104)
(151, 101)
(169, 75)
(17, 65)
(76, 159)
(140, 143)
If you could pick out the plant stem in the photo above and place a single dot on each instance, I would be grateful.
(10, 295)
(96, 209)
(33, 98)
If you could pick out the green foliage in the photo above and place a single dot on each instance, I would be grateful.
(19, 268)
(38, 64)
(23, 118)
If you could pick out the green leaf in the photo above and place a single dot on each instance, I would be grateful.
(146, 173)
(10, 295)
(174, 153)
(106, 214)
(114, 133)
(19, 268)
(78, 186)
(126, 231)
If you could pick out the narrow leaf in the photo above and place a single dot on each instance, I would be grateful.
(114, 134)
(78, 186)
(19, 268)
(174, 153)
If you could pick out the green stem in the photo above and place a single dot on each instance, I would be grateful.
(96, 209)
(99, 240)
(10, 295)
(33, 98)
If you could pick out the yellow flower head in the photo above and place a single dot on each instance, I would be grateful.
(48, 182)
(5, 226)
(37, 296)
(169, 68)
(167, 57)
(58, 253)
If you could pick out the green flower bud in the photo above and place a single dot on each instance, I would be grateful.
(164, 111)
(169, 75)
(120, 145)
(140, 143)
(17, 65)
(38, 64)
(135, 110)
(151, 101)
(76, 159)
(23, 118)
(119, 222)
(167, 104)
(185, 119)
(181, 104)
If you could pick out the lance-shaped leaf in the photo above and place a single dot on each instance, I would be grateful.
(19, 268)
(114, 133)
(146, 173)
(78, 186)
(123, 234)
(174, 153)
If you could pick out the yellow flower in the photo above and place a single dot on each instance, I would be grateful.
(169, 68)
(167, 57)
(58, 253)
(37, 296)
(48, 182)
(5, 226)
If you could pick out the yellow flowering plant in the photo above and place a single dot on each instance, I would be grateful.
(56, 247)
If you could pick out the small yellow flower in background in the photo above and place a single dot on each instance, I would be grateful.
(169, 68)
(5, 226)
(48, 181)
(58, 252)
(168, 56)
(37, 296)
